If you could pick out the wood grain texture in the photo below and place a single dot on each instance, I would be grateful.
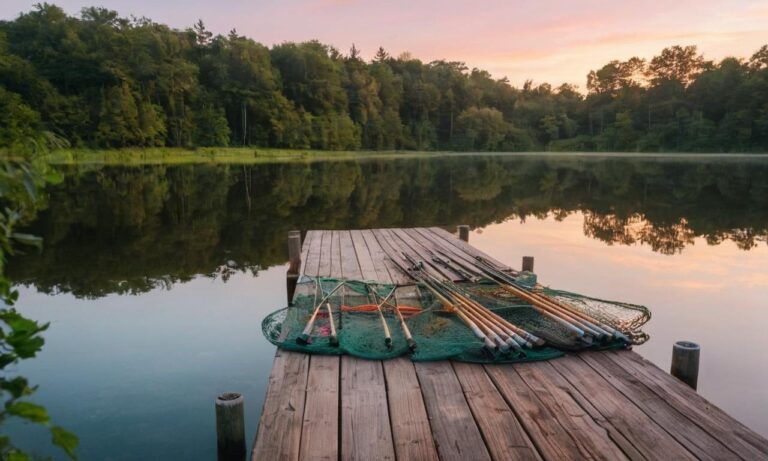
(320, 426)
(367, 266)
(312, 244)
(504, 436)
(378, 256)
(410, 424)
(739, 438)
(324, 267)
(696, 440)
(551, 439)
(456, 434)
(350, 262)
(365, 429)
(279, 432)
(622, 413)
(336, 267)
(594, 437)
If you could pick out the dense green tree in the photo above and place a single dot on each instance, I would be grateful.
(481, 129)
(101, 80)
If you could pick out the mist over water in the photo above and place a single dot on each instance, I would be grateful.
(156, 278)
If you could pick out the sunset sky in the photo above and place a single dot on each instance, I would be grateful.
(549, 40)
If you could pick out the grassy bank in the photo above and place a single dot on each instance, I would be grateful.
(249, 155)
(238, 155)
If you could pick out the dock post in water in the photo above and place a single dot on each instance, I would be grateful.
(685, 362)
(464, 232)
(527, 263)
(230, 426)
(294, 263)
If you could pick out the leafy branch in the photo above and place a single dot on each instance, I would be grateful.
(20, 337)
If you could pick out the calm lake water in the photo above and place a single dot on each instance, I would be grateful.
(156, 278)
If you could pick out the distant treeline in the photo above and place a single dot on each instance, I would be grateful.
(105, 81)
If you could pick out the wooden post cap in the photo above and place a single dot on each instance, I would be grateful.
(464, 232)
(230, 425)
(527, 264)
(685, 362)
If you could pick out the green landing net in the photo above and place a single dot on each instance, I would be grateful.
(438, 334)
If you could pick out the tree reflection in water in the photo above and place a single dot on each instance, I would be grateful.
(132, 229)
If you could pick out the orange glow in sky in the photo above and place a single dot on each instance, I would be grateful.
(547, 41)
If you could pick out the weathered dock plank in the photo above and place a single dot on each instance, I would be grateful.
(453, 426)
(505, 437)
(410, 423)
(280, 425)
(696, 440)
(365, 429)
(642, 431)
(609, 405)
(319, 439)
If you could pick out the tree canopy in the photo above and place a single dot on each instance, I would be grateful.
(100, 80)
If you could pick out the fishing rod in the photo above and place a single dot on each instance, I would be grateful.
(489, 327)
(303, 338)
(521, 336)
(385, 327)
(542, 308)
(578, 318)
(489, 345)
(334, 339)
(406, 331)
(457, 270)
(499, 330)
(581, 329)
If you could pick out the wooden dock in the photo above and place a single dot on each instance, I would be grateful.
(593, 405)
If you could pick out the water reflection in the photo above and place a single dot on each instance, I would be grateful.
(131, 229)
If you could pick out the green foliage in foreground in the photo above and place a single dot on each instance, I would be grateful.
(102, 81)
(20, 337)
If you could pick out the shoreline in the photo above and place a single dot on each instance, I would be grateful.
(244, 155)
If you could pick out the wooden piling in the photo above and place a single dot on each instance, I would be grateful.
(464, 232)
(230, 426)
(685, 362)
(294, 263)
(527, 264)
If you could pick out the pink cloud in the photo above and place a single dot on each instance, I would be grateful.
(550, 40)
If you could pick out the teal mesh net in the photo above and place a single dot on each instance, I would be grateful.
(438, 334)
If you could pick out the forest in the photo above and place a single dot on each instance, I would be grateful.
(104, 81)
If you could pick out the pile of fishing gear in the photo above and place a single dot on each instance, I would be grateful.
(460, 309)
